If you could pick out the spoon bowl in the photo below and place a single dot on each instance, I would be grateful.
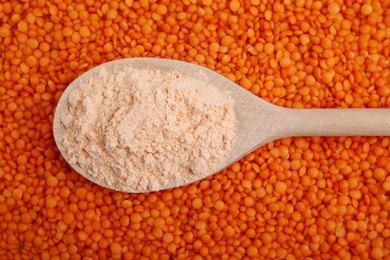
(258, 122)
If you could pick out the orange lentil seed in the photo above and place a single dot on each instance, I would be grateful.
(294, 198)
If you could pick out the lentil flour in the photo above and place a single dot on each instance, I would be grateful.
(144, 129)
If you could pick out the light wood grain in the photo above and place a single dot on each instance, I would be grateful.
(258, 122)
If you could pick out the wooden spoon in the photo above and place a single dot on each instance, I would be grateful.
(258, 122)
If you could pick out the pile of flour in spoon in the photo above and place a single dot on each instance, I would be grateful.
(142, 129)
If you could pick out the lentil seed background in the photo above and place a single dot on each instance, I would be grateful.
(296, 198)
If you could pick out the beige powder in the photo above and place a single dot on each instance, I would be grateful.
(142, 129)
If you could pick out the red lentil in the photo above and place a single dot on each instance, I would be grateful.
(294, 198)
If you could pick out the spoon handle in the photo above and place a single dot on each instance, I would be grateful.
(337, 122)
